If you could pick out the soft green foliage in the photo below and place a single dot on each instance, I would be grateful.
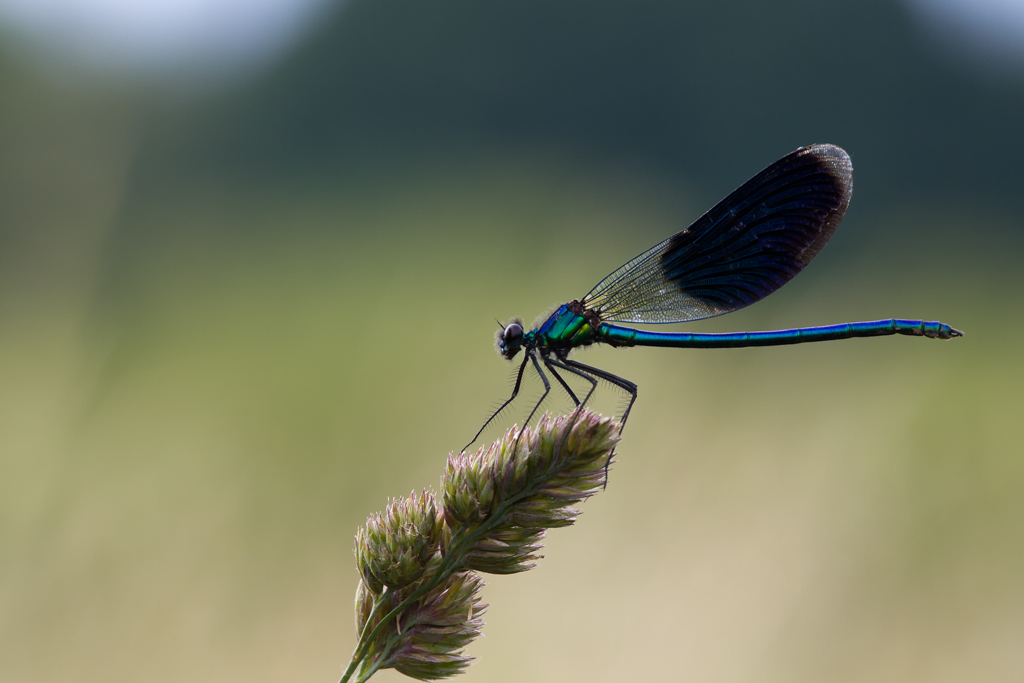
(417, 604)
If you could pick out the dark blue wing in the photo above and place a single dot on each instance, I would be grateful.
(750, 244)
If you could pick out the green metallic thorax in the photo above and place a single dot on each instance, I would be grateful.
(565, 329)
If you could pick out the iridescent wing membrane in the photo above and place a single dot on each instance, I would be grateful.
(746, 247)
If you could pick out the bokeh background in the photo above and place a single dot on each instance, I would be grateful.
(251, 255)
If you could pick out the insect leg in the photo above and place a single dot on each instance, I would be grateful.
(561, 381)
(622, 383)
(552, 363)
(547, 389)
(515, 392)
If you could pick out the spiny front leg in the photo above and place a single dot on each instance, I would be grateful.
(515, 392)
(621, 382)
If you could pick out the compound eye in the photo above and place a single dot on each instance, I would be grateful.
(513, 333)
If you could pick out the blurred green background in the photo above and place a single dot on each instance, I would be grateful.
(235, 318)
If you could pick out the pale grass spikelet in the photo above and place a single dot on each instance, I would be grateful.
(439, 626)
(417, 602)
(524, 484)
(426, 639)
(364, 605)
(394, 546)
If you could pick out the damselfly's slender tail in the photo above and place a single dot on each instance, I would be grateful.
(627, 336)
